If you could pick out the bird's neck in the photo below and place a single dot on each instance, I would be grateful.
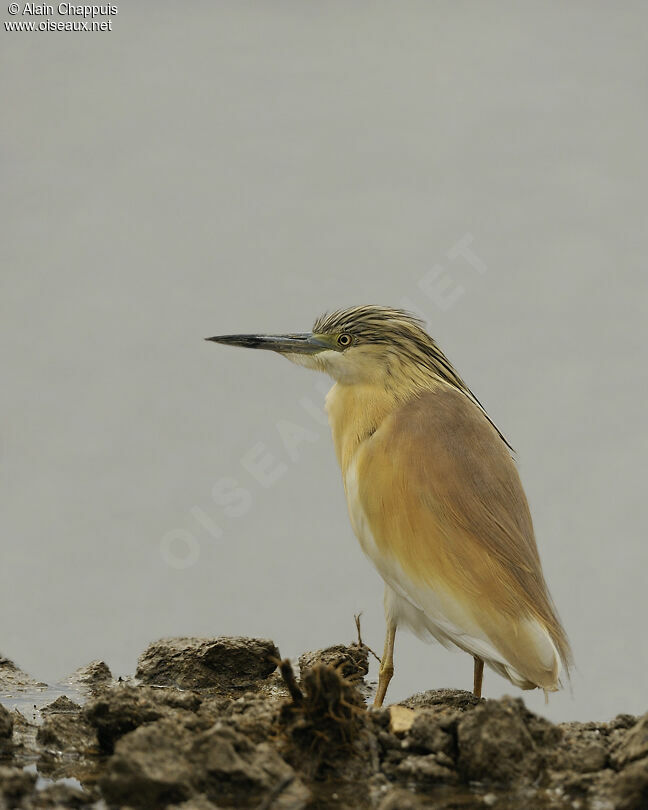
(356, 411)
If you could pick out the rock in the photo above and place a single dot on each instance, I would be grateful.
(351, 661)
(400, 719)
(227, 664)
(495, 745)
(62, 705)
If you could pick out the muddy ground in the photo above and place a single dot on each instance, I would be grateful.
(215, 723)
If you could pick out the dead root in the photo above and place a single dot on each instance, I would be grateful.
(322, 720)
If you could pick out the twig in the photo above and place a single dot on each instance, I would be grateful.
(286, 670)
(357, 622)
(360, 641)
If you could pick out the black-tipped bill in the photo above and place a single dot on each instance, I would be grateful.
(304, 343)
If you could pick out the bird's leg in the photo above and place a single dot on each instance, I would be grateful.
(386, 665)
(478, 676)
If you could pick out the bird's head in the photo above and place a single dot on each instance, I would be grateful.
(365, 344)
(370, 345)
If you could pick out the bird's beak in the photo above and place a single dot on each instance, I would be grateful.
(305, 343)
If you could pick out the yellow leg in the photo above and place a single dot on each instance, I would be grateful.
(386, 665)
(478, 676)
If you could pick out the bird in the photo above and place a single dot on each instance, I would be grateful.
(433, 494)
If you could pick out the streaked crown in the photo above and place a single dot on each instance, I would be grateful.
(407, 348)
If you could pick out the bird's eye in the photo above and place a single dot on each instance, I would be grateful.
(344, 340)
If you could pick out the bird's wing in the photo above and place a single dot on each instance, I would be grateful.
(451, 531)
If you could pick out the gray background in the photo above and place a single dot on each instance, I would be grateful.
(217, 167)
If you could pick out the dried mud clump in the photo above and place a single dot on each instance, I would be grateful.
(92, 678)
(226, 664)
(6, 730)
(13, 679)
(122, 709)
(16, 785)
(352, 662)
(495, 744)
(165, 763)
(267, 741)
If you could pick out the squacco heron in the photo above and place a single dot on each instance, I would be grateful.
(433, 494)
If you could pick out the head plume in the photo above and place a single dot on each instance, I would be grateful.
(405, 343)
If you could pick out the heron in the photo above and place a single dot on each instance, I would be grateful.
(433, 494)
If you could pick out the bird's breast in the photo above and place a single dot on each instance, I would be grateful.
(355, 413)
(385, 563)
(357, 515)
